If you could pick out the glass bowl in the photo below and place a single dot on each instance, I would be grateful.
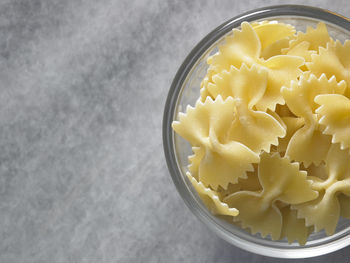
(185, 90)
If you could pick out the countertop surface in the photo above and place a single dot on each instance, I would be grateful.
(83, 176)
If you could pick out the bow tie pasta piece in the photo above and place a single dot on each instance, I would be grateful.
(316, 37)
(278, 176)
(280, 180)
(324, 212)
(211, 200)
(211, 116)
(207, 126)
(334, 60)
(256, 129)
(307, 44)
(246, 84)
(334, 114)
(308, 145)
(244, 47)
(266, 220)
(294, 228)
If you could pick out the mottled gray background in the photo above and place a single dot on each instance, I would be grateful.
(82, 172)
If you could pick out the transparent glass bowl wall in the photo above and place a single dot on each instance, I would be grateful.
(185, 91)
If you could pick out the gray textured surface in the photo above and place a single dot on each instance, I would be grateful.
(82, 172)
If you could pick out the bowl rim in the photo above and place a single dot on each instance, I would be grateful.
(169, 116)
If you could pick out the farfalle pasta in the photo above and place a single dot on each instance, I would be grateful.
(324, 212)
(332, 60)
(208, 125)
(270, 132)
(281, 180)
(244, 46)
(308, 43)
(308, 144)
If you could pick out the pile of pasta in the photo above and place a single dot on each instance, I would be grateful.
(270, 132)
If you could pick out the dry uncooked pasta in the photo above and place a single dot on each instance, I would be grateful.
(270, 132)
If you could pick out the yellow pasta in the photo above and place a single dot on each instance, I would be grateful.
(244, 46)
(270, 132)
(280, 180)
(308, 144)
(307, 44)
(334, 60)
(315, 38)
(208, 125)
(324, 212)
